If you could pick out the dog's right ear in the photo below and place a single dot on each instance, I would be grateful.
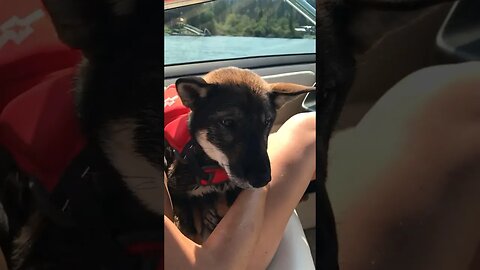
(100, 26)
(191, 90)
(282, 93)
(80, 24)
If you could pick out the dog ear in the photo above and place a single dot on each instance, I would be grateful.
(191, 90)
(96, 26)
(79, 23)
(282, 93)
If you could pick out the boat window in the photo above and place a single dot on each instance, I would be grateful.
(232, 29)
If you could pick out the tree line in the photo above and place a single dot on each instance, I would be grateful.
(254, 18)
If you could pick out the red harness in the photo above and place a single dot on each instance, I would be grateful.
(178, 136)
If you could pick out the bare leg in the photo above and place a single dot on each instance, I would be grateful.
(412, 172)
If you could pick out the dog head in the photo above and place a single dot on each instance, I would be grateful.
(232, 114)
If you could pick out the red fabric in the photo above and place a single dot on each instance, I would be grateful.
(148, 249)
(19, 76)
(40, 128)
(145, 248)
(37, 121)
(175, 119)
(29, 48)
(219, 176)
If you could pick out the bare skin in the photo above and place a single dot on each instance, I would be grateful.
(230, 246)
(413, 176)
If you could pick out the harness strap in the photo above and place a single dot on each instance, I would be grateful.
(204, 175)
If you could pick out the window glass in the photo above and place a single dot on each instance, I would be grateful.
(227, 29)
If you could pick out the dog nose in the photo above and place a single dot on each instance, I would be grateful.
(260, 180)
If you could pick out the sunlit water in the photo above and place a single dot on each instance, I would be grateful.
(184, 49)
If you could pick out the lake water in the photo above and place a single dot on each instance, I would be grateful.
(183, 49)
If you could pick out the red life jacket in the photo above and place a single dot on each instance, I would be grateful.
(39, 128)
(178, 136)
(175, 119)
(38, 123)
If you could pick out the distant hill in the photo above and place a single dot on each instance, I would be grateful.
(255, 18)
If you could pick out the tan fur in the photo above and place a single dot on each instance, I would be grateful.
(238, 76)
(287, 88)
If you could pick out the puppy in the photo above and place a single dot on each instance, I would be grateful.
(231, 112)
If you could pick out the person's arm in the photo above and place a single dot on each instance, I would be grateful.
(167, 203)
(231, 244)
(292, 153)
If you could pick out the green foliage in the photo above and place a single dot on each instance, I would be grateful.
(255, 18)
(167, 30)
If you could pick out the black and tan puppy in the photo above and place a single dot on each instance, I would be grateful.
(232, 112)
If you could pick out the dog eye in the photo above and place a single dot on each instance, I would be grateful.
(227, 122)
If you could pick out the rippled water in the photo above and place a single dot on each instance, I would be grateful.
(183, 49)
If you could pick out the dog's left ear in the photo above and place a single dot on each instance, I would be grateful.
(282, 93)
(98, 26)
(191, 90)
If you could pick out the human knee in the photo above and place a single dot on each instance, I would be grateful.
(431, 115)
(301, 122)
(300, 128)
(455, 103)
